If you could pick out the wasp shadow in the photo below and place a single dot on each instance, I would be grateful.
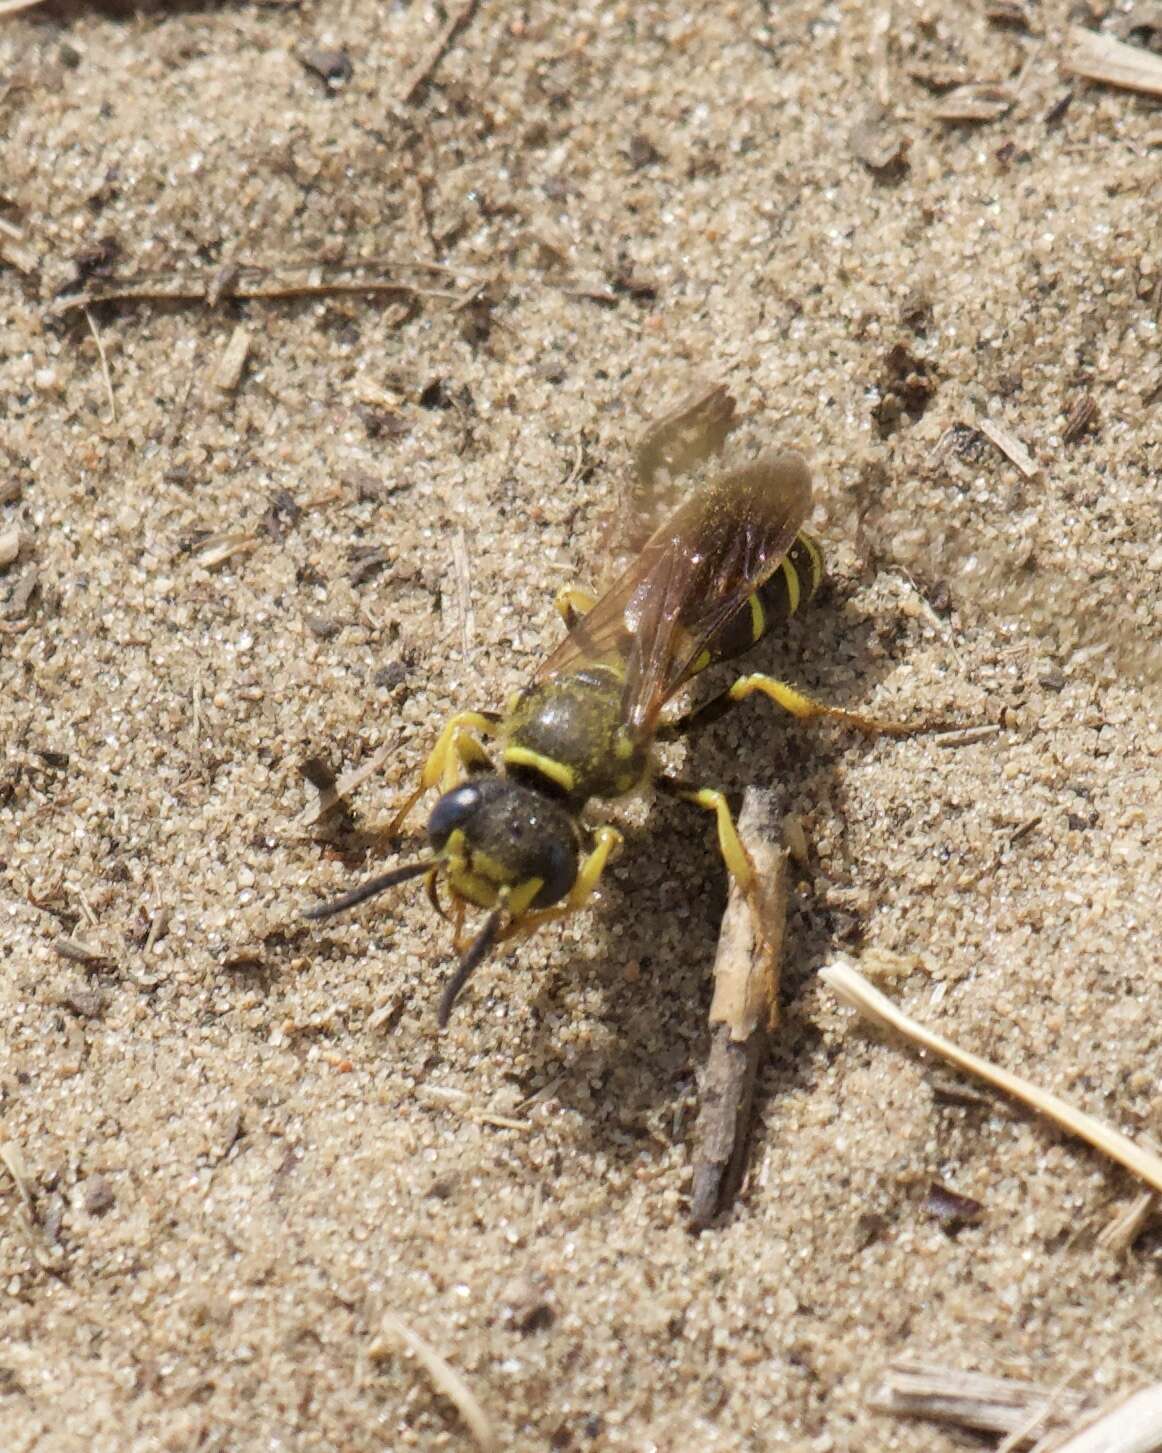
(663, 901)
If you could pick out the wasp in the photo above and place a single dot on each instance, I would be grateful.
(508, 833)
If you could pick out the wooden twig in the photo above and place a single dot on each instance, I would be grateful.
(444, 1376)
(853, 989)
(426, 69)
(743, 1012)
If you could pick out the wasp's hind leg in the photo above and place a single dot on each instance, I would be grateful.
(804, 707)
(730, 845)
(457, 748)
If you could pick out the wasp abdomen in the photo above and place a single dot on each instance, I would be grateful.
(778, 598)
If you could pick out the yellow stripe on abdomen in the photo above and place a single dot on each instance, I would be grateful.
(758, 617)
(791, 576)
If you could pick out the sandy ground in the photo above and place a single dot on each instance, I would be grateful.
(243, 1140)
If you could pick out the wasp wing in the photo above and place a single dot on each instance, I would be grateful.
(694, 573)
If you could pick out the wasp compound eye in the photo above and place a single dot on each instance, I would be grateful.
(452, 811)
(558, 867)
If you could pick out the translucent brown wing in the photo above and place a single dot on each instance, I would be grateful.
(693, 574)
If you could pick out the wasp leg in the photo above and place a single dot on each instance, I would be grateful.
(730, 845)
(457, 747)
(804, 707)
(607, 841)
(572, 603)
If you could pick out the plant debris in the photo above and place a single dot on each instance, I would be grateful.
(743, 1013)
(1101, 58)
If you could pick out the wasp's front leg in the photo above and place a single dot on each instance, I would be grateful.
(457, 748)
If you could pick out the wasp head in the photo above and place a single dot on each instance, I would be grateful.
(498, 845)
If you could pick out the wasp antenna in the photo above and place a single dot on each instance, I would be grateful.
(477, 951)
(370, 889)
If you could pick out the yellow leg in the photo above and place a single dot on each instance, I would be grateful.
(805, 708)
(457, 747)
(608, 840)
(734, 855)
(572, 603)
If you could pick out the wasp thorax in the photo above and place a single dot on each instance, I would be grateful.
(495, 833)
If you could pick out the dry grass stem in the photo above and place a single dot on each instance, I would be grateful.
(968, 736)
(853, 989)
(12, 1159)
(1133, 1426)
(462, 1102)
(1123, 1230)
(108, 377)
(294, 280)
(1010, 446)
(1113, 62)
(743, 1011)
(1001, 1405)
(47, 1254)
(14, 250)
(330, 796)
(158, 926)
(1040, 1421)
(975, 102)
(423, 73)
(1121, 1233)
(445, 1379)
(216, 549)
(78, 952)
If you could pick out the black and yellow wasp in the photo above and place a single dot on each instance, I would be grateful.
(729, 564)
